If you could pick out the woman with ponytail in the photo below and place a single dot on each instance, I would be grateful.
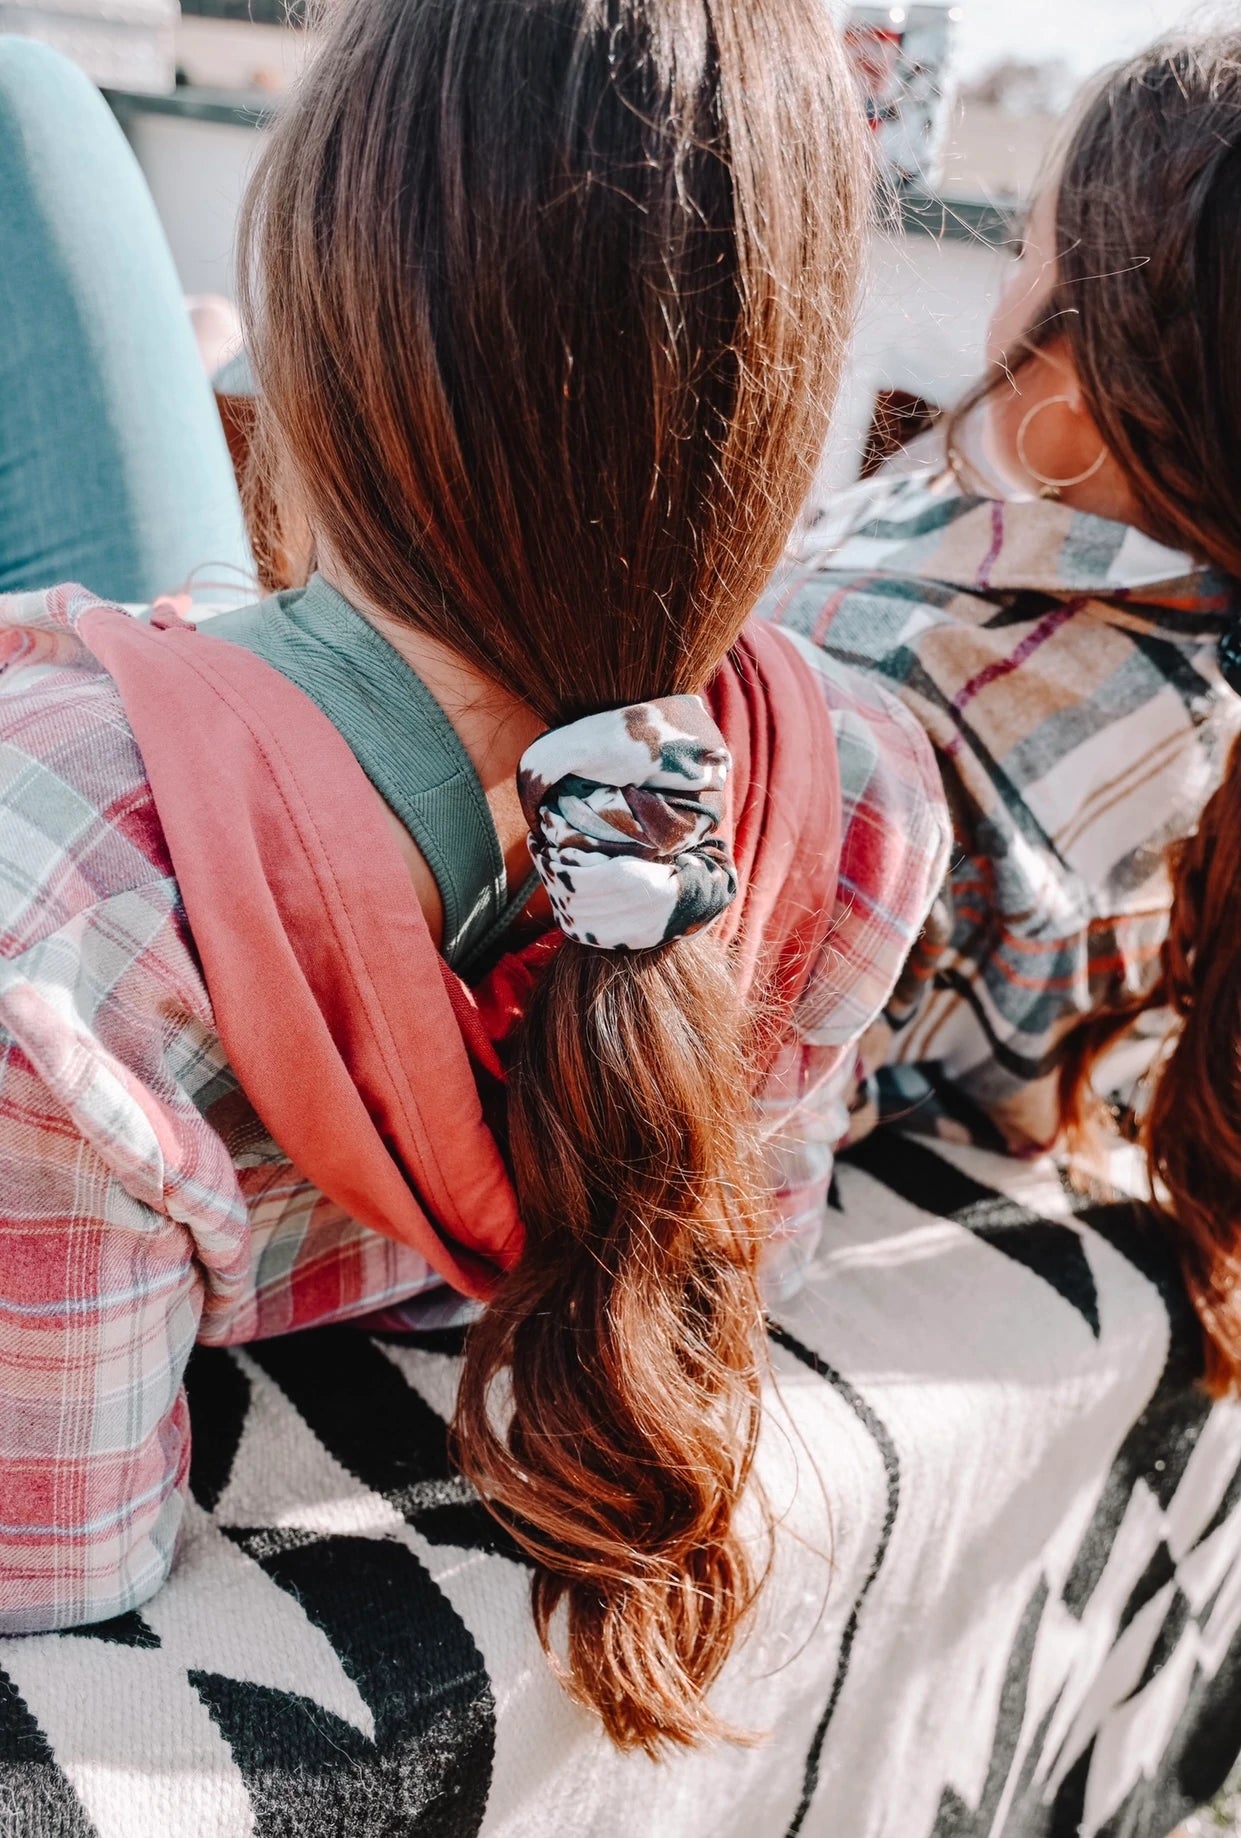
(547, 305)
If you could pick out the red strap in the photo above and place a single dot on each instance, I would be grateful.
(332, 1003)
(351, 1037)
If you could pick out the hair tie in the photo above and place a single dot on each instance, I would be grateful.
(624, 809)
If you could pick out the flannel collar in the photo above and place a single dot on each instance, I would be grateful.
(929, 529)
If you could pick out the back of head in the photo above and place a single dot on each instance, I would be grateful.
(548, 300)
(547, 306)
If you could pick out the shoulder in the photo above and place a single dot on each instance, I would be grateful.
(893, 505)
(106, 1028)
(876, 571)
(896, 836)
(889, 775)
(893, 523)
(78, 825)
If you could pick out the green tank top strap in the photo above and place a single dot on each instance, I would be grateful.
(404, 743)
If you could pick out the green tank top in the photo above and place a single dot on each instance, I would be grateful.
(404, 743)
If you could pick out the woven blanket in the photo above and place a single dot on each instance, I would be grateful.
(1005, 1599)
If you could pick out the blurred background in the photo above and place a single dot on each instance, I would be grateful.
(964, 99)
(1018, 64)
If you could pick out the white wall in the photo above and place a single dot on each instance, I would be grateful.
(921, 325)
(197, 172)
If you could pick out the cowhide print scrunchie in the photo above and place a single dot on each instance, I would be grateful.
(624, 809)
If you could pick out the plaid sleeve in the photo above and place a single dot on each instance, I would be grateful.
(975, 1034)
(309, 1262)
(894, 851)
(101, 1283)
(99, 1306)
(142, 1205)
(126, 1233)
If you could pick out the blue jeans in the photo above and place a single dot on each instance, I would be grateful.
(113, 466)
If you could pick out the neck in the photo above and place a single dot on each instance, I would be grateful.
(493, 726)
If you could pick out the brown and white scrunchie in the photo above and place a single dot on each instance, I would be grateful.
(624, 809)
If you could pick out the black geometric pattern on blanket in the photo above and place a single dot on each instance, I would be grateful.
(344, 1646)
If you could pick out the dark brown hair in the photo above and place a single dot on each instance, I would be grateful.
(1189, 1122)
(547, 301)
(1148, 297)
(1192, 1129)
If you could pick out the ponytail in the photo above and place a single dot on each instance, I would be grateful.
(630, 1330)
(547, 305)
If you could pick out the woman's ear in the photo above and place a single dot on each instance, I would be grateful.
(1044, 442)
(1064, 376)
(1037, 427)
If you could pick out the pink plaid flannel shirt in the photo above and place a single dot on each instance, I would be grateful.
(142, 1204)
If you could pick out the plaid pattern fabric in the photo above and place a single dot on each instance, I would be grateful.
(1065, 671)
(142, 1204)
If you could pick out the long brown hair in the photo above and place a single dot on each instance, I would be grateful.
(1147, 295)
(547, 303)
(1192, 1129)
